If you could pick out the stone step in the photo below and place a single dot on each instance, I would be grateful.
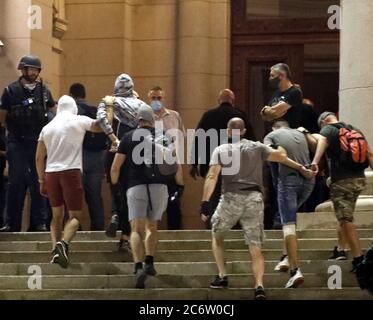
(271, 280)
(162, 256)
(163, 268)
(185, 294)
(327, 220)
(179, 235)
(107, 245)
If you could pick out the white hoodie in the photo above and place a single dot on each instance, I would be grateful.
(64, 135)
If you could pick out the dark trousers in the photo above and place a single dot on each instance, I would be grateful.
(3, 190)
(23, 175)
(93, 174)
(118, 198)
(173, 208)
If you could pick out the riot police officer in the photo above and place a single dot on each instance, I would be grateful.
(24, 107)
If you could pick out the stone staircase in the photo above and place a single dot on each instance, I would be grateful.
(184, 263)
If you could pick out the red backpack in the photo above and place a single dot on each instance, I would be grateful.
(353, 148)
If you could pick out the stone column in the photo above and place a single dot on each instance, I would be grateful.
(356, 78)
(202, 70)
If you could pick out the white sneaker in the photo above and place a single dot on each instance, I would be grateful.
(296, 280)
(283, 265)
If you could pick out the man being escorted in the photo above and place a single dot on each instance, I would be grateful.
(348, 155)
(61, 141)
(147, 197)
(292, 191)
(242, 200)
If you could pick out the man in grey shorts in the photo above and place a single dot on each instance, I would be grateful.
(242, 199)
(147, 199)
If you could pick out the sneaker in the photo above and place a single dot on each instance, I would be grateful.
(55, 256)
(296, 279)
(111, 230)
(149, 269)
(260, 294)
(219, 283)
(338, 255)
(124, 246)
(62, 250)
(140, 279)
(283, 265)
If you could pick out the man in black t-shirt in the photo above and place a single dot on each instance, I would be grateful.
(347, 181)
(286, 102)
(147, 198)
(94, 146)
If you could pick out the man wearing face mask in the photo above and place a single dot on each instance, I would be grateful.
(24, 108)
(171, 120)
(287, 100)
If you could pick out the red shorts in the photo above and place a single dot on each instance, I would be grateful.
(65, 188)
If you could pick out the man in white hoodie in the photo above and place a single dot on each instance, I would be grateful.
(61, 141)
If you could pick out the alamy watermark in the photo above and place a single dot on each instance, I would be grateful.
(34, 281)
(203, 141)
(335, 20)
(34, 20)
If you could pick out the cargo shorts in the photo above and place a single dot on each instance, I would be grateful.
(247, 209)
(344, 194)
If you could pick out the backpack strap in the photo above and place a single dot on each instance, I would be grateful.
(149, 198)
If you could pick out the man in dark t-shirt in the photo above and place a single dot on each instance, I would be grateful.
(286, 103)
(147, 198)
(347, 183)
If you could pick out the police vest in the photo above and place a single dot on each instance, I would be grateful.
(27, 113)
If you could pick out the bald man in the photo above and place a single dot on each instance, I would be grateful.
(242, 200)
(216, 118)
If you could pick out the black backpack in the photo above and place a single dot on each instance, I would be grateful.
(160, 158)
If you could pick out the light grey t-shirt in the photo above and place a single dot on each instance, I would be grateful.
(295, 144)
(249, 175)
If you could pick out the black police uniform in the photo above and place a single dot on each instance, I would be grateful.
(26, 115)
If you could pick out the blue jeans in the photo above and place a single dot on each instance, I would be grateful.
(23, 175)
(93, 173)
(293, 191)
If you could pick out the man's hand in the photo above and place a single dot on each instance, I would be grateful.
(204, 211)
(194, 172)
(315, 168)
(43, 190)
(307, 173)
(109, 100)
(114, 146)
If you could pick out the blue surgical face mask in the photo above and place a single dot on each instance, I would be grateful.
(156, 105)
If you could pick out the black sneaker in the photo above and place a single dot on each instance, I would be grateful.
(149, 269)
(140, 279)
(219, 283)
(260, 294)
(62, 250)
(55, 256)
(124, 246)
(338, 255)
(356, 262)
(111, 230)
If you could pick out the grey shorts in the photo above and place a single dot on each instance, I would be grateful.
(138, 202)
(244, 208)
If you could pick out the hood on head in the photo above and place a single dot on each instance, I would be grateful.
(67, 104)
(123, 86)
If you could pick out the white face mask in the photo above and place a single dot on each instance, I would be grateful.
(29, 86)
